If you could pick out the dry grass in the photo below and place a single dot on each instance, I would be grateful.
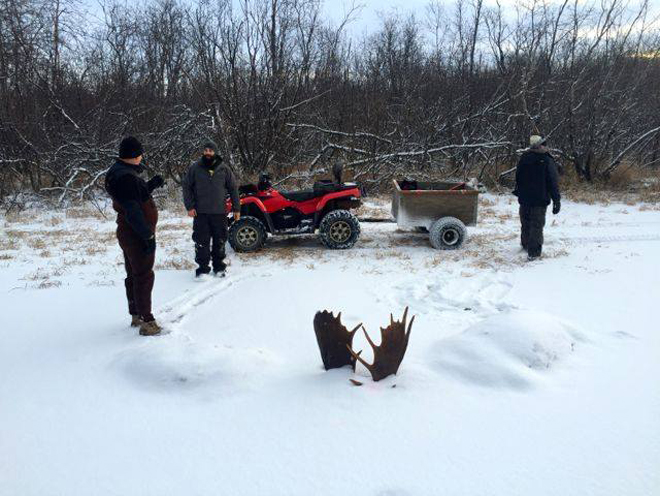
(378, 207)
(95, 249)
(629, 185)
(101, 283)
(386, 254)
(85, 211)
(48, 284)
(438, 259)
(175, 263)
(485, 202)
(21, 217)
(650, 206)
(74, 261)
(409, 239)
(166, 227)
(287, 255)
(54, 221)
(8, 243)
(36, 243)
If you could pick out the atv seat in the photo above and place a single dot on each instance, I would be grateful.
(320, 188)
(301, 196)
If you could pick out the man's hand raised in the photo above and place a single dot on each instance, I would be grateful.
(155, 182)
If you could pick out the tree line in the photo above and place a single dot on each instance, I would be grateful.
(451, 91)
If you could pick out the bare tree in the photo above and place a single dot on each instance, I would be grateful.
(454, 91)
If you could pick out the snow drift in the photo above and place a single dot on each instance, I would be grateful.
(507, 350)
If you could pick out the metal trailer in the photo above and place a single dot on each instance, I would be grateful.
(442, 208)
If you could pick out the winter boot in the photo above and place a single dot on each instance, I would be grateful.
(202, 271)
(136, 321)
(150, 328)
(532, 258)
(220, 270)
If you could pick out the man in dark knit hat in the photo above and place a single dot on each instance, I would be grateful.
(136, 230)
(205, 188)
(537, 184)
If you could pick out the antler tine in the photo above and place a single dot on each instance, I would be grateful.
(359, 358)
(410, 326)
(391, 319)
(405, 317)
(356, 328)
(373, 345)
(332, 337)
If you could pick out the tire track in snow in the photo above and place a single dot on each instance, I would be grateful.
(612, 238)
(175, 311)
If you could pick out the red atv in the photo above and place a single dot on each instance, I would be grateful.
(325, 207)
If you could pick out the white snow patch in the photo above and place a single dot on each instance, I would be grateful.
(176, 363)
(507, 350)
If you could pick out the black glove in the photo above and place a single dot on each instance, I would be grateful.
(150, 245)
(556, 207)
(155, 182)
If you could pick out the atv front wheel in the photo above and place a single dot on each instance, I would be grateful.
(339, 230)
(247, 234)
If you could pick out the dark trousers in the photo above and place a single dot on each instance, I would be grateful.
(139, 274)
(532, 221)
(210, 236)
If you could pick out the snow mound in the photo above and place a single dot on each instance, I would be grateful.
(170, 364)
(507, 350)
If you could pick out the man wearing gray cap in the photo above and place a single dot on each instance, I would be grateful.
(537, 184)
(205, 188)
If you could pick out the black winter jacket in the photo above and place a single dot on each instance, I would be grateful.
(126, 188)
(537, 180)
(205, 188)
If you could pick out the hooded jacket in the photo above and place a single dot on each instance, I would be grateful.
(131, 199)
(537, 180)
(206, 185)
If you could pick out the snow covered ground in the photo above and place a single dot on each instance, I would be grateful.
(520, 378)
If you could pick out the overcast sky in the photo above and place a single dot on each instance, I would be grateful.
(367, 19)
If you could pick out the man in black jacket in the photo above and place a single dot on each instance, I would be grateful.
(205, 188)
(537, 184)
(136, 229)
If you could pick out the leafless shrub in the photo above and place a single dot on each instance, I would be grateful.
(455, 94)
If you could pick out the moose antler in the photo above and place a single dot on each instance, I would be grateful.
(334, 340)
(393, 344)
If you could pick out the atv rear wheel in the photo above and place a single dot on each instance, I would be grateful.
(247, 234)
(339, 230)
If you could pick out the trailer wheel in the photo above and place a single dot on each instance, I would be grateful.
(247, 234)
(447, 233)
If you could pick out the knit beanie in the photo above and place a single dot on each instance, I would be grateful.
(210, 144)
(130, 147)
(536, 141)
